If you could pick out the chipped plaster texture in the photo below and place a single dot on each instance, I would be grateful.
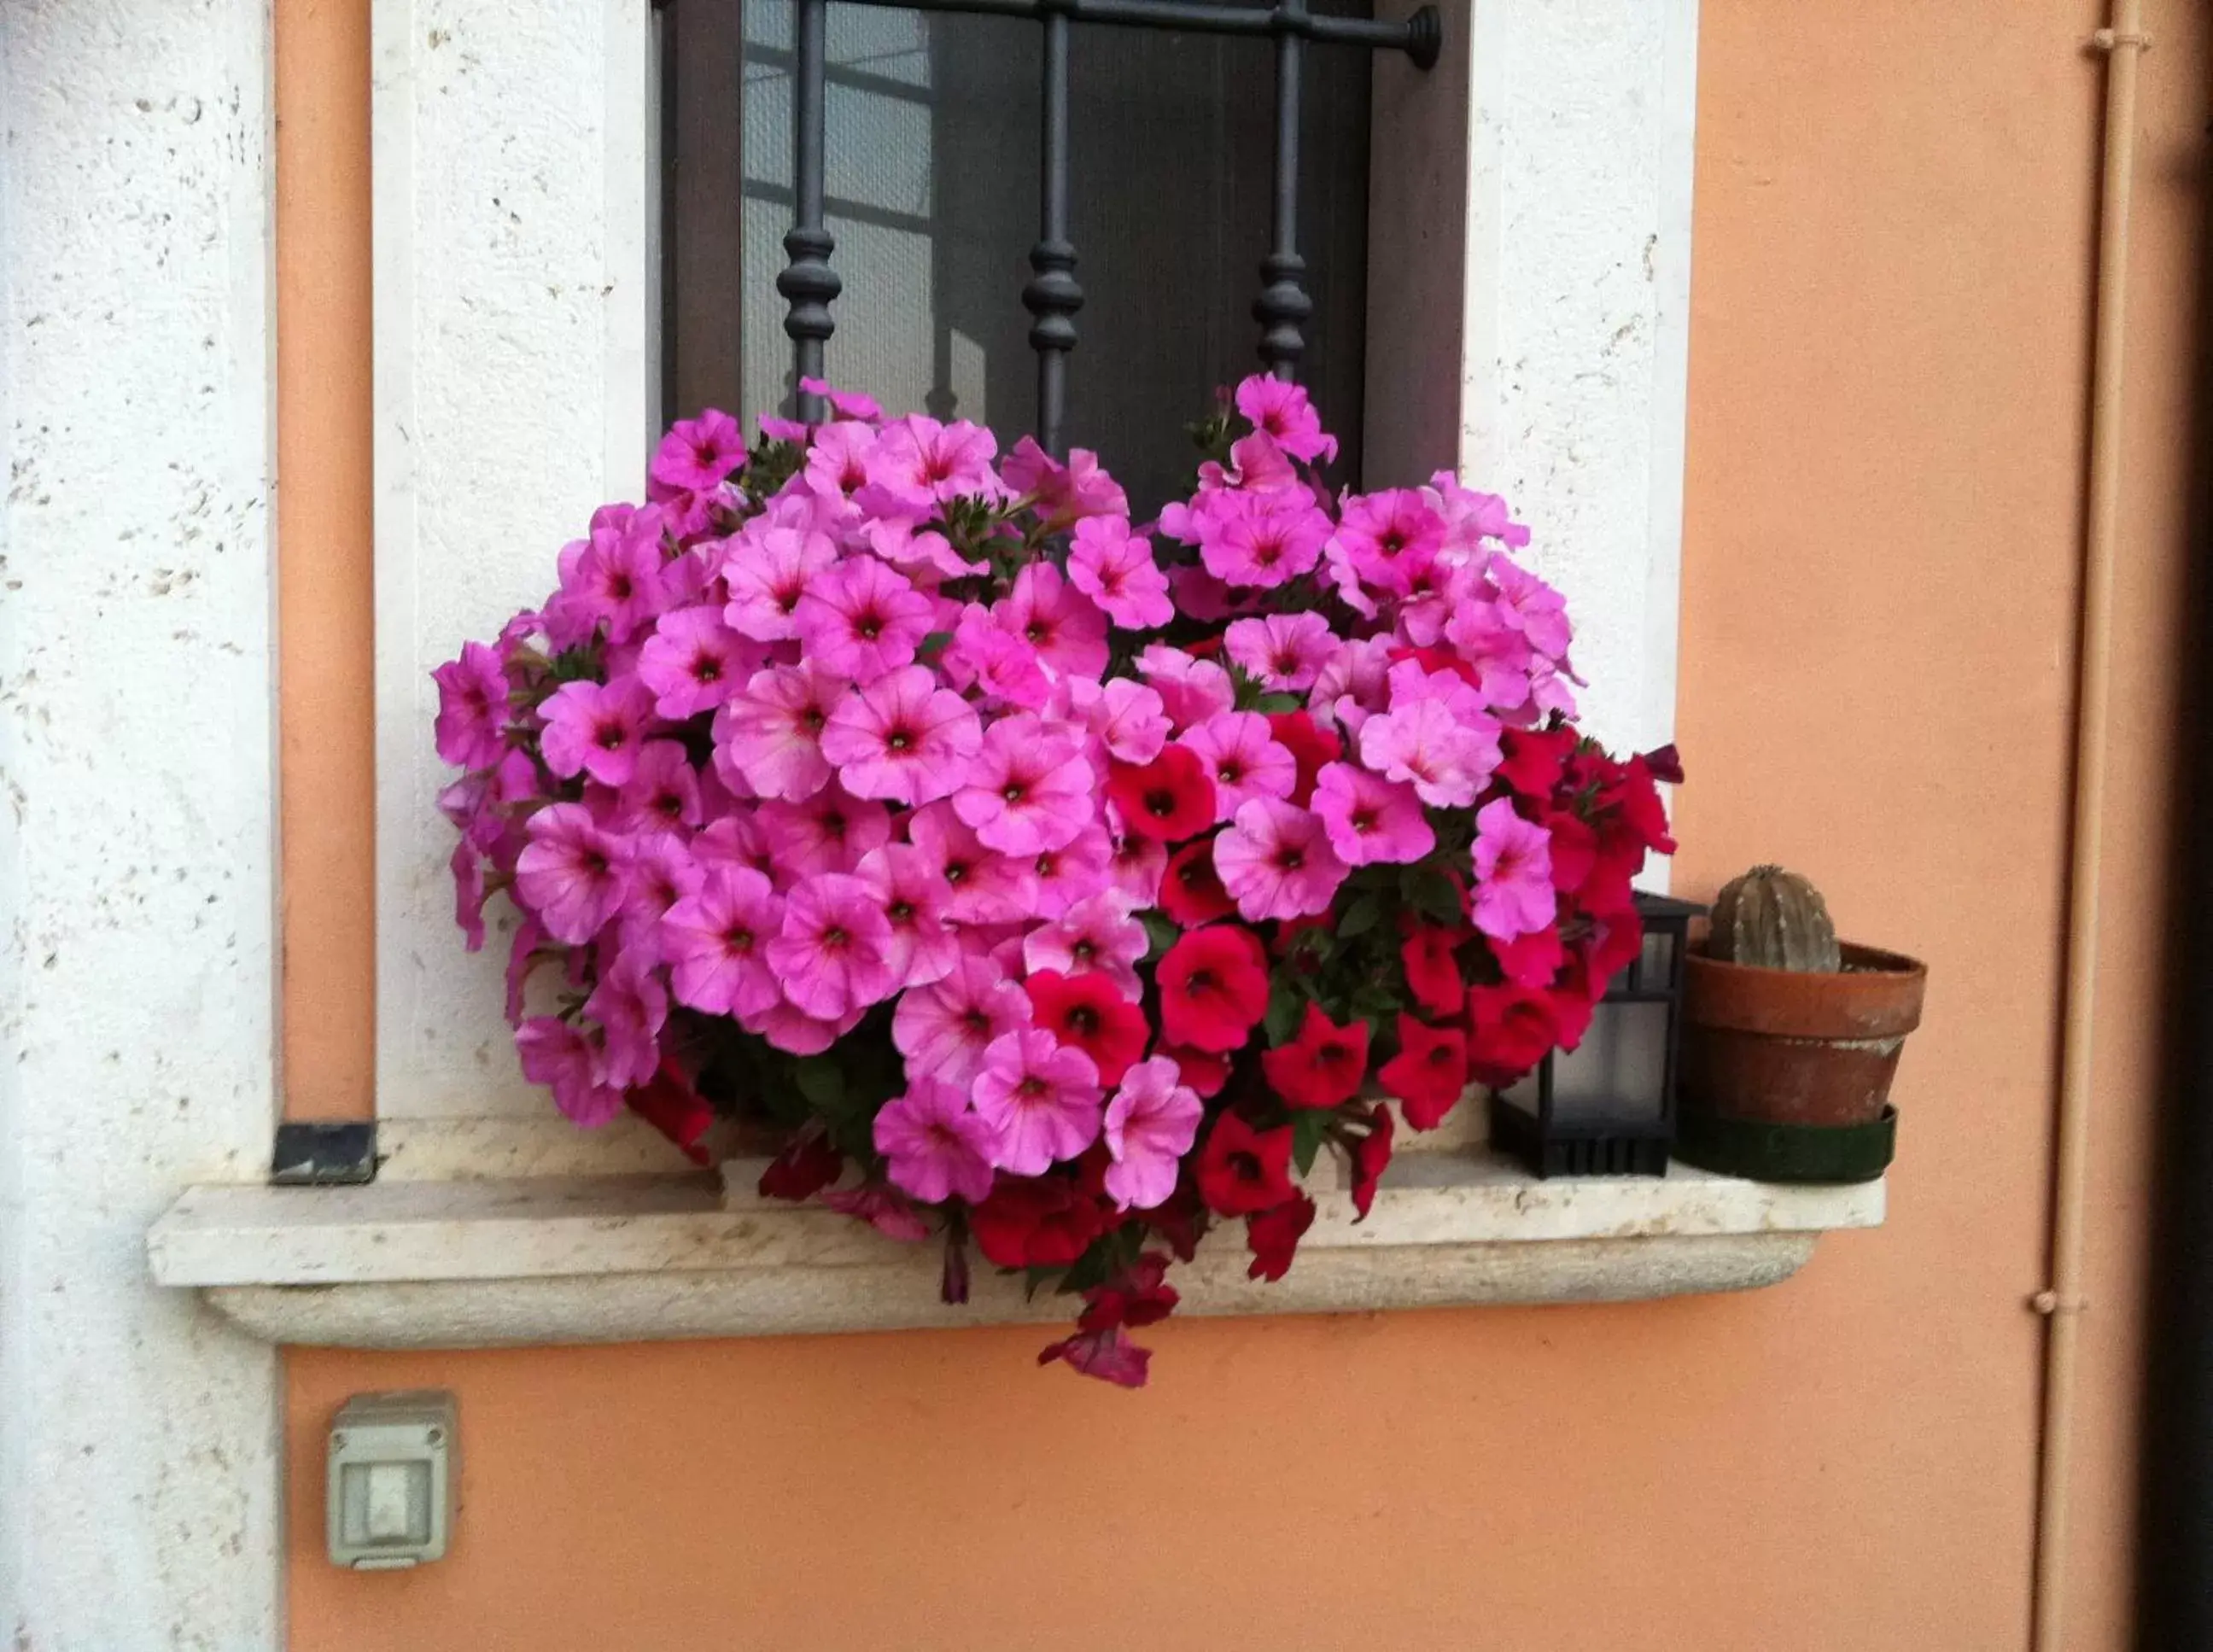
(139, 1500)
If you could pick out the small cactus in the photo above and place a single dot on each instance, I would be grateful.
(1770, 918)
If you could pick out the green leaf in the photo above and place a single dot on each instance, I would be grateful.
(1309, 1129)
(1432, 895)
(1362, 916)
(1160, 934)
(932, 645)
(821, 1081)
(1287, 1006)
(1274, 704)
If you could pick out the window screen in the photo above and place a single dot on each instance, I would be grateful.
(933, 198)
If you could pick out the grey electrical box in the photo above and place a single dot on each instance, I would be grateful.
(394, 1463)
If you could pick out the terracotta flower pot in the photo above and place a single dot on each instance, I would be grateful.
(1792, 1047)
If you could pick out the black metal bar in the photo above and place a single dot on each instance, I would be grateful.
(1053, 295)
(807, 282)
(1282, 308)
(1418, 36)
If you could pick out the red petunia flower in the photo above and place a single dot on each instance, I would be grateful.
(1274, 1235)
(1371, 1155)
(1510, 1029)
(1429, 1073)
(1190, 889)
(1320, 1068)
(1170, 798)
(1530, 959)
(1107, 1355)
(1310, 746)
(1035, 1221)
(1205, 1071)
(1140, 1295)
(1432, 972)
(1242, 1170)
(671, 1106)
(1087, 1012)
(1535, 759)
(1214, 987)
(806, 1166)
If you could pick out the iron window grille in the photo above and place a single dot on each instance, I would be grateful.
(810, 284)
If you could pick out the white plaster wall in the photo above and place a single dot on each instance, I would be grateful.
(514, 291)
(1576, 329)
(138, 1502)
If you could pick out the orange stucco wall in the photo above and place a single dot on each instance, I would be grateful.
(1889, 361)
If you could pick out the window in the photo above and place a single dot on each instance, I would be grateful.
(933, 157)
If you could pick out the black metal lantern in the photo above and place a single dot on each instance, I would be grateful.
(1607, 1106)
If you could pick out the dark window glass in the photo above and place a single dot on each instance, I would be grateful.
(932, 198)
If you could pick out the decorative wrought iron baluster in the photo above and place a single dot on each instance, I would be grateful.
(807, 282)
(1053, 294)
(1283, 307)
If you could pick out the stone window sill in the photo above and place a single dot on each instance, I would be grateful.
(634, 1258)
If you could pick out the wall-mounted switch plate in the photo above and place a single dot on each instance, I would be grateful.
(394, 1464)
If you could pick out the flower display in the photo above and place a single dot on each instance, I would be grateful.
(1059, 884)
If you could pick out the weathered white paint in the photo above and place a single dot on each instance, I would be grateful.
(1575, 329)
(1541, 243)
(138, 1479)
(513, 288)
(574, 1259)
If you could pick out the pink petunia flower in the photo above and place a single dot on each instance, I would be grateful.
(1355, 683)
(902, 738)
(1115, 568)
(1280, 409)
(1534, 608)
(1139, 864)
(987, 887)
(661, 872)
(571, 874)
(905, 882)
(924, 555)
(1284, 651)
(1150, 1125)
(1065, 493)
(917, 463)
(833, 953)
(615, 582)
(860, 620)
(1058, 620)
(792, 1030)
(1243, 758)
(1370, 820)
(471, 708)
(662, 792)
(698, 454)
(1129, 718)
(1471, 517)
(829, 832)
(693, 662)
(1262, 539)
(1066, 875)
(845, 405)
(631, 1005)
(766, 574)
(1424, 743)
(715, 943)
(1513, 892)
(1040, 1096)
(557, 1055)
(985, 654)
(771, 732)
(935, 1146)
(1488, 639)
(1191, 690)
(837, 460)
(944, 1029)
(596, 729)
(1276, 862)
(1097, 933)
(1388, 535)
(1029, 789)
